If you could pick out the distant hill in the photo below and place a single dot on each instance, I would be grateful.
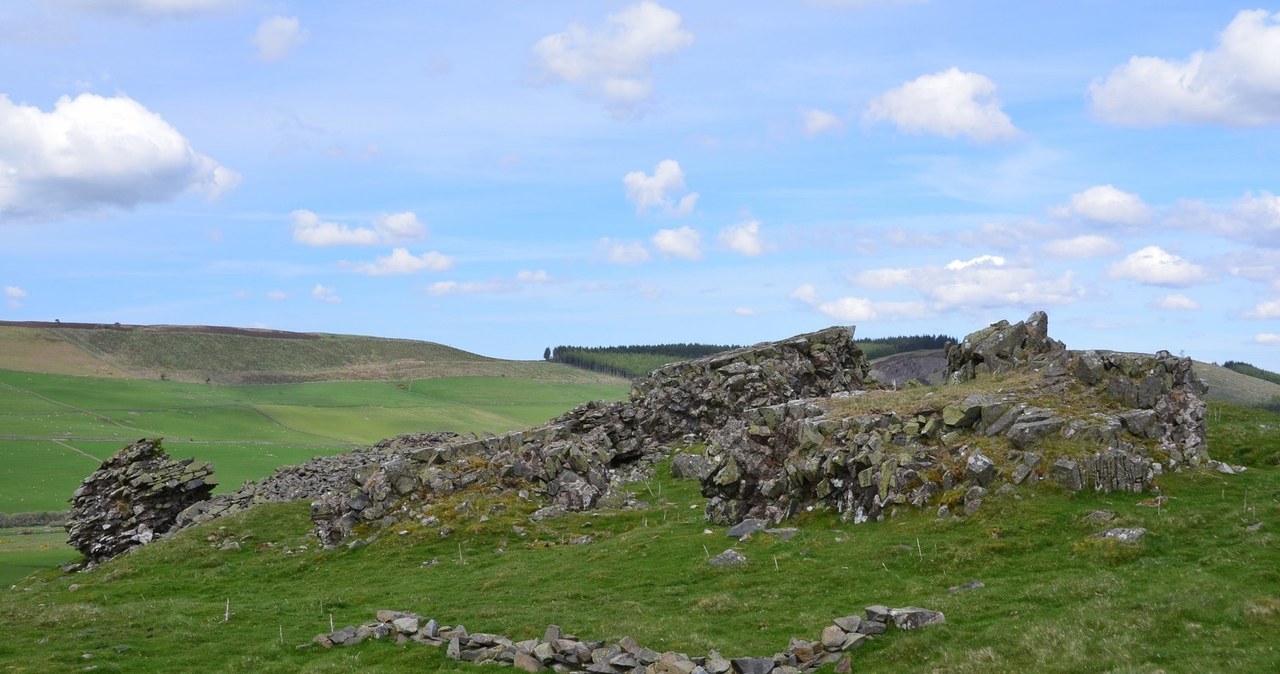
(226, 355)
(1230, 386)
(1252, 371)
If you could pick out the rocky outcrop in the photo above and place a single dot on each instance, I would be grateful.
(309, 480)
(1134, 415)
(133, 498)
(561, 652)
(1001, 347)
(586, 454)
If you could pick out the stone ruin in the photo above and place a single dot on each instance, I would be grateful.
(774, 461)
(133, 498)
(776, 441)
(591, 451)
(561, 652)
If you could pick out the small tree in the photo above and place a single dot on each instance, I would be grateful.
(546, 355)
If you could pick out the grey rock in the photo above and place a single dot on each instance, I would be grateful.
(753, 665)
(911, 617)
(690, 466)
(729, 557)
(979, 468)
(967, 586)
(849, 623)
(746, 528)
(1124, 534)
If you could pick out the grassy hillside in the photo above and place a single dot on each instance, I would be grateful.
(55, 429)
(1199, 593)
(245, 356)
(1230, 386)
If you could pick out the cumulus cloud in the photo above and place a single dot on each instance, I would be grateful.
(1105, 203)
(613, 63)
(681, 242)
(1155, 266)
(277, 295)
(310, 230)
(92, 152)
(278, 36)
(1080, 247)
(528, 276)
(326, 294)
(664, 191)
(154, 8)
(1270, 309)
(805, 293)
(442, 288)
(401, 261)
(859, 309)
(818, 122)
(950, 103)
(1253, 219)
(1177, 302)
(986, 281)
(622, 252)
(743, 238)
(14, 296)
(1237, 83)
(1267, 338)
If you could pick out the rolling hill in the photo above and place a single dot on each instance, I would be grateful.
(236, 356)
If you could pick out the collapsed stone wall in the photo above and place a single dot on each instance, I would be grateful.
(583, 455)
(777, 460)
(561, 652)
(132, 499)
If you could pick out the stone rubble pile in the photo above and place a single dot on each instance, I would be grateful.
(132, 499)
(588, 453)
(774, 461)
(309, 480)
(560, 652)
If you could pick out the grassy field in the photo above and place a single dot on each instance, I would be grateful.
(1200, 593)
(55, 429)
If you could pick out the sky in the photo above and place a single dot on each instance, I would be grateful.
(511, 175)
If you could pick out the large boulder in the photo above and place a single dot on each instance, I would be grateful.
(133, 498)
(1001, 347)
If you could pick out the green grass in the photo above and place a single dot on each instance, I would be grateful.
(24, 551)
(1244, 435)
(246, 431)
(1201, 593)
(1227, 385)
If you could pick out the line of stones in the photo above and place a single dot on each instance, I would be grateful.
(560, 652)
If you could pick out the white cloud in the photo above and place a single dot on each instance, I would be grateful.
(278, 36)
(14, 295)
(441, 288)
(623, 252)
(858, 309)
(743, 238)
(1105, 203)
(664, 191)
(1237, 83)
(155, 8)
(950, 103)
(805, 293)
(326, 294)
(1269, 309)
(1155, 266)
(401, 261)
(987, 281)
(310, 230)
(681, 242)
(1252, 219)
(744, 311)
(1267, 338)
(818, 122)
(613, 63)
(277, 295)
(1177, 302)
(1080, 247)
(93, 152)
(527, 276)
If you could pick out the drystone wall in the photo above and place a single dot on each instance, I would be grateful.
(309, 480)
(585, 454)
(561, 652)
(132, 499)
(776, 460)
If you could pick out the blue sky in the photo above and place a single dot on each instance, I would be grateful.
(507, 176)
